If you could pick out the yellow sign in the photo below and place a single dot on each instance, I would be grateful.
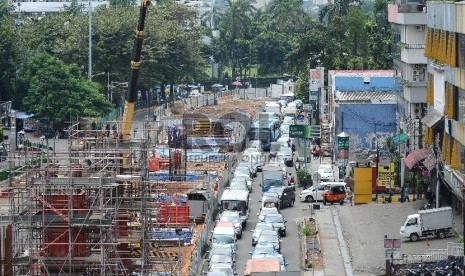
(386, 176)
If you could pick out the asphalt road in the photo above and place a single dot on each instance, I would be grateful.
(364, 227)
(289, 243)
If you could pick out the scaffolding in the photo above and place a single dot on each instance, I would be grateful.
(89, 210)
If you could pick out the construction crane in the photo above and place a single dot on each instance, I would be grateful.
(131, 94)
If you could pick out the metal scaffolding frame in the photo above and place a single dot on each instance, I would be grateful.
(88, 210)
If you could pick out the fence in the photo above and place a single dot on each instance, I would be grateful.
(196, 264)
(453, 251)
(253, 93)
(111, 117)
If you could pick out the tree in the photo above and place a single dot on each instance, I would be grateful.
(9, 51)
(235, 29)
(58, 91)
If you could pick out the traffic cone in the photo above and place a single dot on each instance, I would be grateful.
(427, 243)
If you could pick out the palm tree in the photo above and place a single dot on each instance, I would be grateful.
(339, 7)
(235, 27)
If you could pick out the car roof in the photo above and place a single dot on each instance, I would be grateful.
(224, 224)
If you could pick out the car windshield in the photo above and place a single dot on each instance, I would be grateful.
(223, 239)
(272, 182)
(263, 239)
(326, 170)
(264, 249)
(271, 218)
(270, 194)
(217, 268)
(269, 211)
(261, 226)
(221, 259)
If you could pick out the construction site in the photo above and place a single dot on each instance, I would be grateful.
(108, 205)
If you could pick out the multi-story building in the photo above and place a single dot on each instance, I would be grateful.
(445, 75)
(408, 20)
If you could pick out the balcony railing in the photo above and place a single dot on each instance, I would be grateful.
(411, 8)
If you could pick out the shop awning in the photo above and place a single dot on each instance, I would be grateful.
(433, 117)
(424, 158)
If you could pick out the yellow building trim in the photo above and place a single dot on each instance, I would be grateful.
(443, 49)
(429, 35)
(430, 89)
(435, 44)
(454, 162)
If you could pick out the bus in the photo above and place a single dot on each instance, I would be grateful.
(266, 131)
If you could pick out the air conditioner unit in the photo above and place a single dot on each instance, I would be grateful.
(416, 72)
(418, 109)
(419, 28)
(416, 79)
(417, 66)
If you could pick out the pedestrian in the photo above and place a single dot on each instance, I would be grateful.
(350, 195)
(293, 148)
(289, 143)
(406, 194)
(107, 130)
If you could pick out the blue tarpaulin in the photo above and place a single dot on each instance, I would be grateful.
(165, 176)
(169, 234)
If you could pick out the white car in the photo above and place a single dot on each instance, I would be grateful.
(265, 211)
(326, 172)
(312, 194)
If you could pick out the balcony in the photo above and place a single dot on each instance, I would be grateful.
(407, 14)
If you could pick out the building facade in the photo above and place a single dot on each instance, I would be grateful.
(445, 99)
(364, 104)
(408, 21)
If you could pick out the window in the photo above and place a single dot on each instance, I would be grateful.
(461, 51)
(461, 106)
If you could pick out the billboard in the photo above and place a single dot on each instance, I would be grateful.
(316, 78)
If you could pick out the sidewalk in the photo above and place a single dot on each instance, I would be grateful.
(332, 245)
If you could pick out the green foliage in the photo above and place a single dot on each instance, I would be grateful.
(57, 91)
(122, 3)
(302, 88)
(307, 231)
(303, 176)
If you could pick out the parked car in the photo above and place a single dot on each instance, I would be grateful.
(222, 259)
(221, 250)
(270, 237)
(312, 194)
(222, 268)
(240, 182)
(326, 172)
(286, 195)
(263, 249)
(265, 211)
(252, 169)
(259, 227)
(235, 218)
(278, 222)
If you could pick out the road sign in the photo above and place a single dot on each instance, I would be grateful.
(297, 131)
(303, 131)
(343, 143)
(313, 95)
(392, 243)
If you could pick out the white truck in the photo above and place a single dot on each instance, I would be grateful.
(432, 222)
